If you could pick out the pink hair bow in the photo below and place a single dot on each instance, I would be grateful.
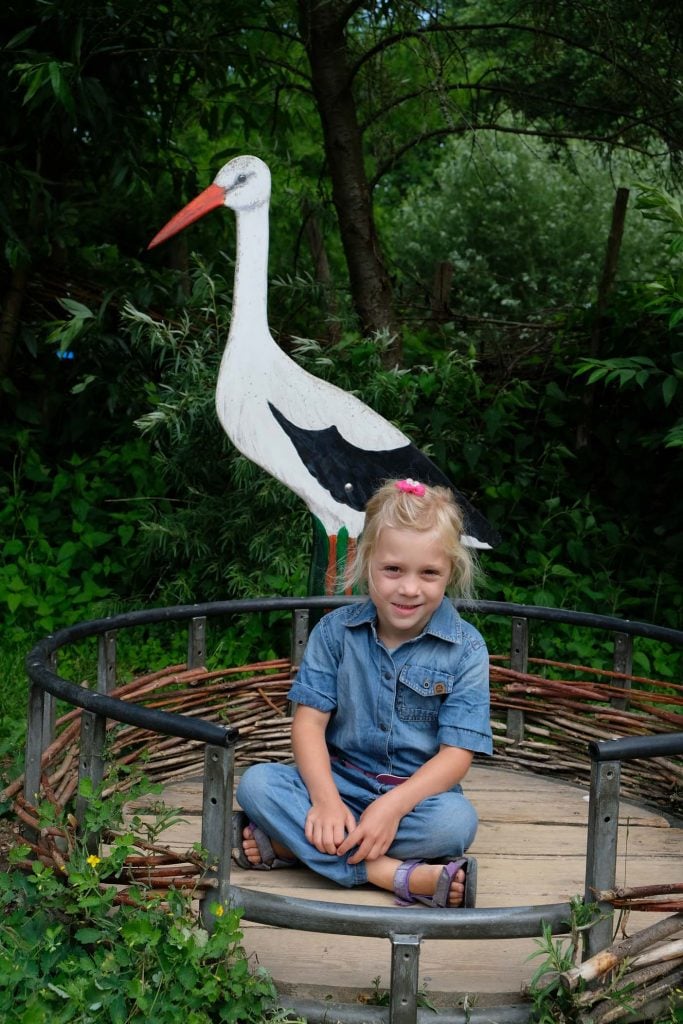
(411, 487)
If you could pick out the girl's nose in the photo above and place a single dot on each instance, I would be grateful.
(409, 584)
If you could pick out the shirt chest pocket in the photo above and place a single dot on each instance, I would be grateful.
(420, 693)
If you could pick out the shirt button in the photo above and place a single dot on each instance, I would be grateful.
(426, 684)
(387, 675)
(382, 727)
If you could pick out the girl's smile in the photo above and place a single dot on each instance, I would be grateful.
(409, 572)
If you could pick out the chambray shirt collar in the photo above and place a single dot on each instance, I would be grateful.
(445, 623)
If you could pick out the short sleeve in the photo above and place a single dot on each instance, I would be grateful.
(465, 716)
(315, 684)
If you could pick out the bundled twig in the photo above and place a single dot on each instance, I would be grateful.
(151, 867)
(562, 714)
(645, 897)
(632, 974)
(607, 959)
(623, 1003)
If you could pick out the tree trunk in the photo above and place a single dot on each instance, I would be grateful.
(316, 243)
(441, 290)
(322, 26)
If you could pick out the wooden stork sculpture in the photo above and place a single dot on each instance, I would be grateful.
(321, 442)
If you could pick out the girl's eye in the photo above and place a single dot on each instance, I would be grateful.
(391, 568)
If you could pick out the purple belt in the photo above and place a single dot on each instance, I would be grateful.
(383, 778)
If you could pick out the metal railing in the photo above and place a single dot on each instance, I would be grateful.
(405, 929)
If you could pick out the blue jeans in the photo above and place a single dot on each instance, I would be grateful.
(275, 798)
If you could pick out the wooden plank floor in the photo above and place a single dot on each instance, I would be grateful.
(530, 848)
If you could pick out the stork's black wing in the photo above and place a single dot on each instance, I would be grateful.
(352, 475)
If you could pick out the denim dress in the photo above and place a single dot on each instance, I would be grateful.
(390, 712)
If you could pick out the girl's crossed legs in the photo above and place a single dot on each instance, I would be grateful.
(440, 828)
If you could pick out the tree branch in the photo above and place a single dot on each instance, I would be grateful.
(495, 90)
(389, 165)
(420, 33)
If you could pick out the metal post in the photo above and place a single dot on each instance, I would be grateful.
(519, 662)
(106, 662)
(601, 851)
(40, 732)
(90, 766)
(405, 960)
(49, 709)
(91, 762)
(623, 662)
(300, 626)
(300, 618)
(196, 642)
(34, 743)
(219, 775)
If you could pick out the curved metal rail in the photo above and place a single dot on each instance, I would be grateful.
(404, 929)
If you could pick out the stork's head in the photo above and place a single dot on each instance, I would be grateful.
(241, 184)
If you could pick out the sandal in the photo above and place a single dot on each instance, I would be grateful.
(269, 859)
(405, 898)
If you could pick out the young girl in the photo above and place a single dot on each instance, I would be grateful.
(392, 702)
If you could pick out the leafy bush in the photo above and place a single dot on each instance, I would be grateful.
(655, 371)
(68, 532)
(225, 528)
(69, 952)
(524, 231)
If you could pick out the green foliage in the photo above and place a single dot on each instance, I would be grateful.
(525, 233)
(111, 125)
(551, 1002)
(658, 376)
(567, 536)
(69, 953)
(225, 528)
(13, 693)
(68, 532)
(675, 1014)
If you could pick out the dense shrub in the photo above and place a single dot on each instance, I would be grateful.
(525, 231)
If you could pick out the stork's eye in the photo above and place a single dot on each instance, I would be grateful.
(241, 178)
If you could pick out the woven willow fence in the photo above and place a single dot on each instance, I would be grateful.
(560, 716)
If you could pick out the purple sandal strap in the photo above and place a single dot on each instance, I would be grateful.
(269, 858)
(443, 886)
(404, 897)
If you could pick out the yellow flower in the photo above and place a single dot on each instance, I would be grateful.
(93, 861)
(219, 911)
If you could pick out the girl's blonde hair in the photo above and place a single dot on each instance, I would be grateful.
(435, 509)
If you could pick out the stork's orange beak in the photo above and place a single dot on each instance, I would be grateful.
(209, 199)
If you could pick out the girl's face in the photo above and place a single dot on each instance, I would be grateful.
(408, 575)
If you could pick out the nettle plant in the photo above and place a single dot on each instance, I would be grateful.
(70, 951)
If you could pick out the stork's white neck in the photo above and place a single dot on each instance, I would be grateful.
(250, 293)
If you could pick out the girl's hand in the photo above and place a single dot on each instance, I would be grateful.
(374, 833)
(327, 825)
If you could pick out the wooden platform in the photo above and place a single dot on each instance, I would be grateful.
(530, 848)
